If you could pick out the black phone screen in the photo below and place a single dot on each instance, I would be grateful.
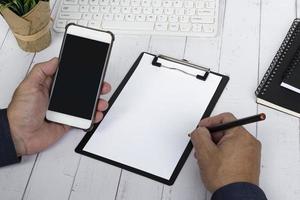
(77, 82)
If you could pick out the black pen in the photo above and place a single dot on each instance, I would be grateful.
(238, 122)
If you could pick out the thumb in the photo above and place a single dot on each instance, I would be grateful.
(42, 71)
(203, 144)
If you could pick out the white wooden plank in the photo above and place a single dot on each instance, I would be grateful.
(132, 186)
(239, 58)
(279, 134)
(94, 179)
(54, 171)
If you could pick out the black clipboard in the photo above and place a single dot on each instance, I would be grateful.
(188, 148)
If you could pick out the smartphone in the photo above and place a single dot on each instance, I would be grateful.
(76, 88)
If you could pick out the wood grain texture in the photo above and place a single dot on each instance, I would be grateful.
(253, 31)
(279, 134)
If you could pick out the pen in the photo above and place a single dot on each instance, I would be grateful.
(238, 122)
(235, 123)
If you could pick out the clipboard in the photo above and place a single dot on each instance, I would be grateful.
(145, 129)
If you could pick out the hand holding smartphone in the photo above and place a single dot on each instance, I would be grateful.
(76, 88)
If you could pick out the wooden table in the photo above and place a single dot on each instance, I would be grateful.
(252, 33)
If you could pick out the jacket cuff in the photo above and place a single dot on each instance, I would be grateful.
(8, 154)
(238, 191)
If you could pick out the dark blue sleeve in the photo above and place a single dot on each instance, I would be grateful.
(8, 153)
(239, 191)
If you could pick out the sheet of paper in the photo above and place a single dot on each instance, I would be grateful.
(147, 127)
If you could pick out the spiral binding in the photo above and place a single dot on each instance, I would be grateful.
(294, 63)
(276, 62)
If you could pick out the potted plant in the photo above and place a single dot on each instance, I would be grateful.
(29, 21)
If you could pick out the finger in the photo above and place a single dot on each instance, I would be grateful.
(102, 105)
(217, 136)
(98, 117)
(216, 120)
(41, 71)
(48, 82)
(106, 88)
(203, 143)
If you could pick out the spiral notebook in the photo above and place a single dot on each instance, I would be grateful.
(270, 92)
(291, 79)
(145, 129)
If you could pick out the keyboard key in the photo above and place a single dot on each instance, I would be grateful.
(108, 17)
(158, 11)
(83, 22)
(70, 15)
(168, 11)
(125, 2)
(173, 27)
(146, 3)
(142, 26)
(161, 26)
(167, 3)
(95, 9)
(126, 10)
(184, 19)
(114, 2)
(141, 18)
(70, 2)
(197, 27)
(135, 2)
(136, 10)
(103, 2)
(147, 11)
(190, 11)
(94, 2)
(188, 4)
(83, 2)
(70, 8)
(115, 9)
(208, 28)
(120, 17)
(61, 23)
(84, 9)
(151, 18)
(185, 27)
(173, 18)
(94, 24)
(179, 11)
(97, 17)
(87, 16)
(129, 17)
(156, 3)
(205, 12)
(203, 20)
(178, 4)
(104, 9)
(162, 18)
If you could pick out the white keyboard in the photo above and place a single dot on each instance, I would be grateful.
(156, 17)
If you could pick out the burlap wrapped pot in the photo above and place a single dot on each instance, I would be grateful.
(32, 30)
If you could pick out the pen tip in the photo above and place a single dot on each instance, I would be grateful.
(262, 116)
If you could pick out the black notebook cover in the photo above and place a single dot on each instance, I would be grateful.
(291, 79)
(270, 92)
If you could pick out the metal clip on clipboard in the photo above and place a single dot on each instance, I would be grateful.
(194, 70)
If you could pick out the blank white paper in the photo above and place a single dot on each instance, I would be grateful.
(147, 126)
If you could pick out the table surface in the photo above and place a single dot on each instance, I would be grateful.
(251, 34)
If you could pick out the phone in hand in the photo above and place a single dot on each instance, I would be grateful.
(77, 84)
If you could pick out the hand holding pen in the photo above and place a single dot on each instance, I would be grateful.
(226, 156)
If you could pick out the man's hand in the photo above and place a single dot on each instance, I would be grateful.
(228, 156)
(27, 110)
